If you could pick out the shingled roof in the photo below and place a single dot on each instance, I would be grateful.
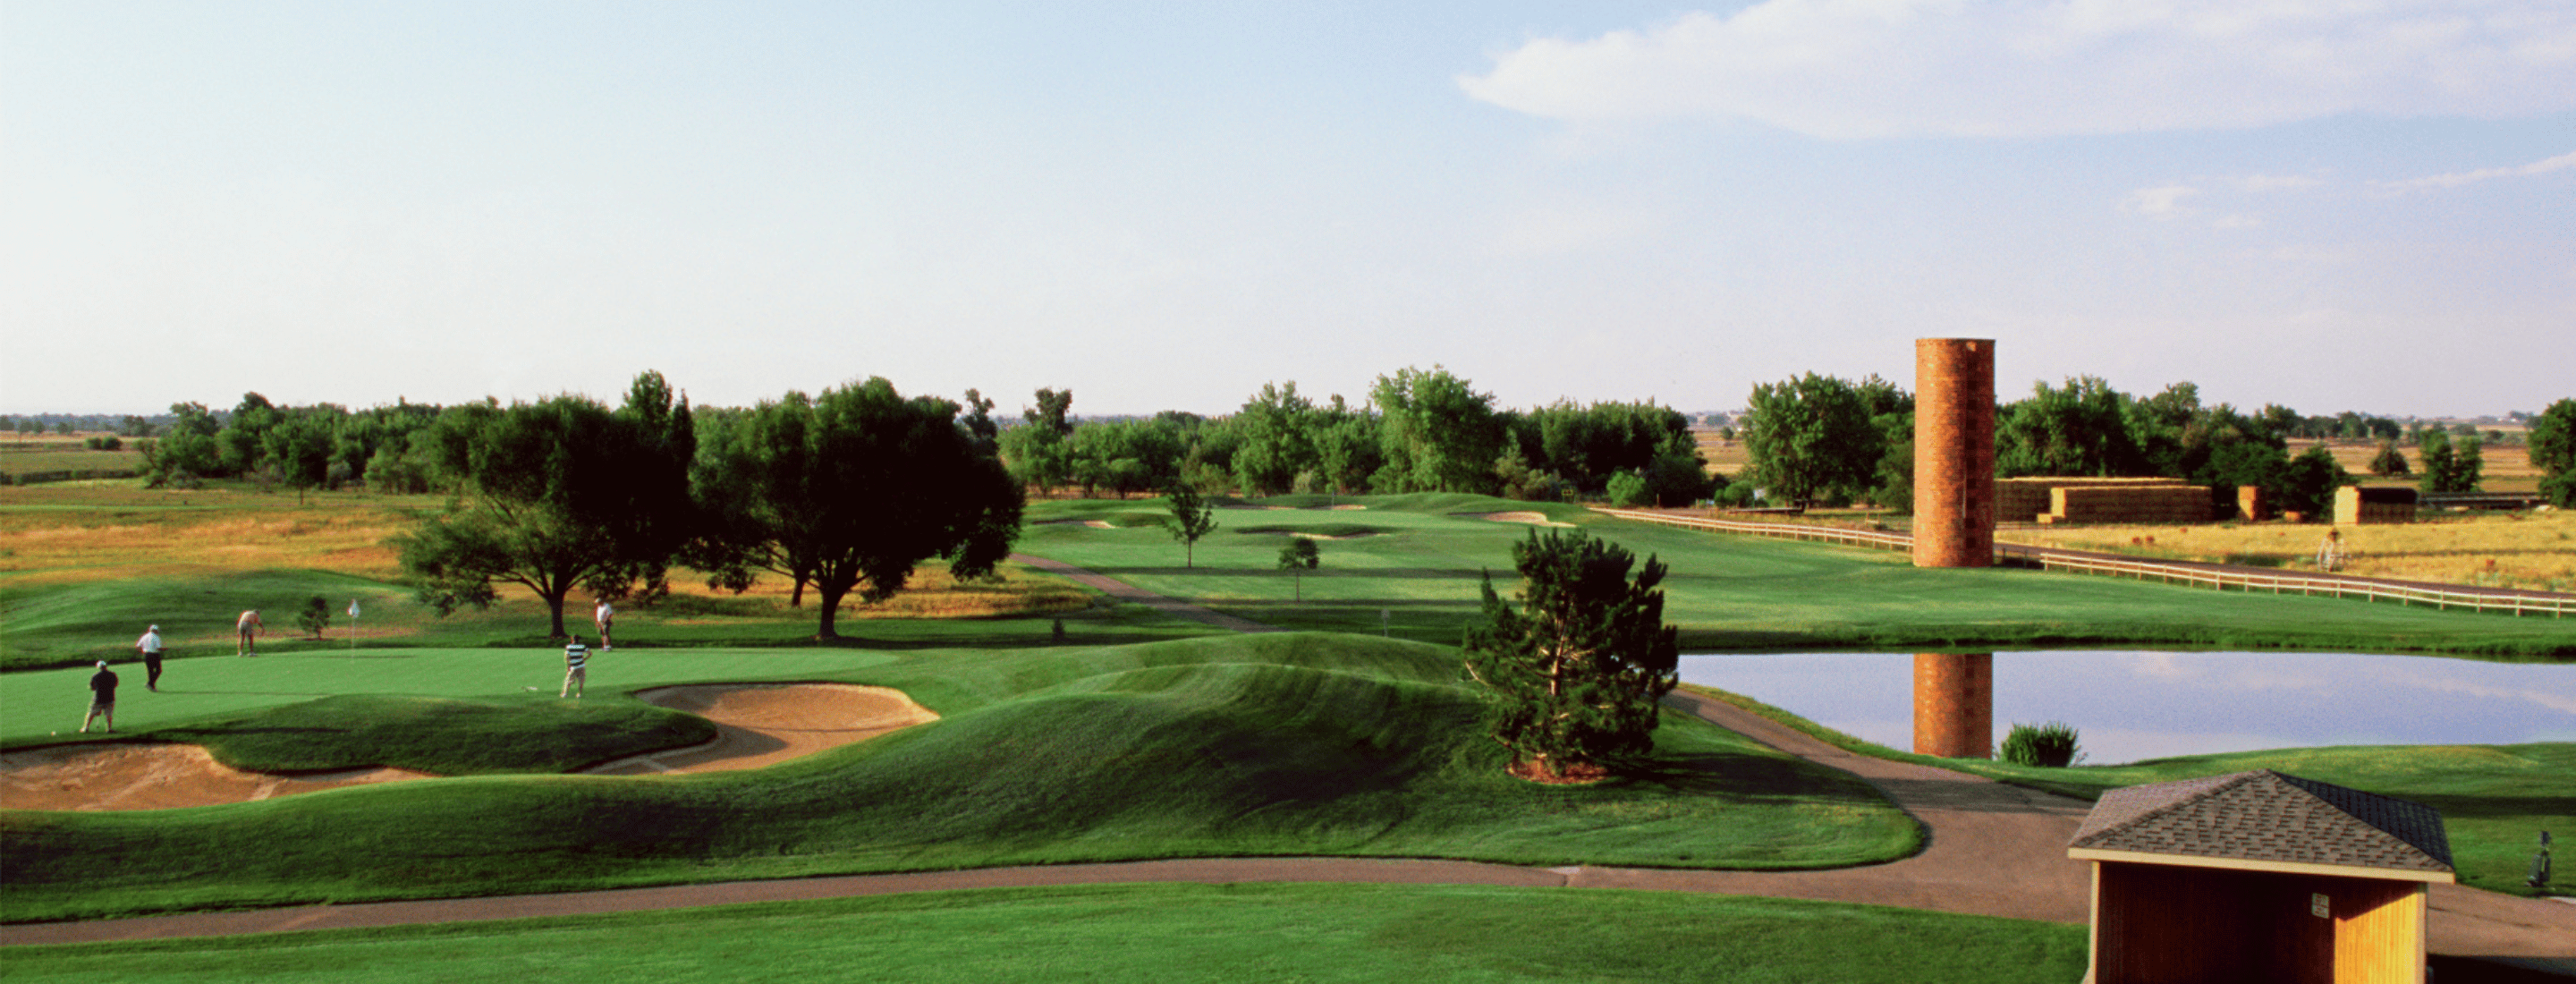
(2266, 820)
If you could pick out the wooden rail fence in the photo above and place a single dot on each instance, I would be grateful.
(2217, 578)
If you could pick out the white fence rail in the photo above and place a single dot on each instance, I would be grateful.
(2218, 579)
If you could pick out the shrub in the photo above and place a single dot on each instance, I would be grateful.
(315, 616)
(2050, 745)
(1628, 491)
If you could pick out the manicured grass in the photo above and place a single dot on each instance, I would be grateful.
(1163, 933)
(451, 736)
(1735, 592)
(2495, 799)
(1234, 746)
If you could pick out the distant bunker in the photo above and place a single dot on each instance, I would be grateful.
(757, 724)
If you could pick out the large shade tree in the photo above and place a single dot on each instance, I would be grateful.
(1809, 436)
(850, 490)
(1577, 670)
(554, 496)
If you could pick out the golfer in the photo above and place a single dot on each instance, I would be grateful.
(602, 616)
(576, 668)
(102, 698)
(150, 647)
(248, 626)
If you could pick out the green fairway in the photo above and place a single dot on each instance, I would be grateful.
(445, 735)
(1163, 933)
(2495, 799)
(1241, 745)
(1418, 574)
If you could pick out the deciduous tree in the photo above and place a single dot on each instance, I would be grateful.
(1297, 557)
(1808, 436)
(553, 496)
(2552, 448)
(851, 490)
(1192, 517)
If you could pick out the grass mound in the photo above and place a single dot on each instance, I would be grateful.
(1334, 530)
(77, 623)
(1274, 744)
(444, 735)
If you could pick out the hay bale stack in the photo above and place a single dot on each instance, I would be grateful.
(2137, 504)
(2023, 500)
(2354, 505)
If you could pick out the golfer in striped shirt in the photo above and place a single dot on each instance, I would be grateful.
(576, 668)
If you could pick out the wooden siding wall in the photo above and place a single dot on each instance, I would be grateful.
(2159, 924)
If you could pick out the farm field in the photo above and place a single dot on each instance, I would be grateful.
(1356, 933)
(36, 454)
(1411, 565)
(2496, 550)
(84, 566)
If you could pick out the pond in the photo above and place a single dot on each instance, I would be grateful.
(2128, 706)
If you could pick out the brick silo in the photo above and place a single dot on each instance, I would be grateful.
(1954, 704)
(1954, 452)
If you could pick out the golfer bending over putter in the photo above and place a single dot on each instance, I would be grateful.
(576, 668)
(247, 625)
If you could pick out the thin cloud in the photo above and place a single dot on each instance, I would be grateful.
(2559, 163)
(2159, 203)
(2019, 68)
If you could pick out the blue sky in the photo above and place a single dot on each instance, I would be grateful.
(2331, 205)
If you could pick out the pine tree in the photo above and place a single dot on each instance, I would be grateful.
(1577, 672)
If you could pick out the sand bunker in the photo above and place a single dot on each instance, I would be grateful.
(152, 777)
(1532, 518)
(762, 724)
(756, 725)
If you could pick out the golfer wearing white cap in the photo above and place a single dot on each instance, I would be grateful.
(102, 697)
(150, 647)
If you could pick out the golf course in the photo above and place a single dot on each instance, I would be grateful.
(1074, 729)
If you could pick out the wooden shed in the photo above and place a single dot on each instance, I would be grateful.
(2259, 876)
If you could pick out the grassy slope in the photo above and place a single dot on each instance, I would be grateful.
(1167, 933)
(2494, 798)
(1736, 592)
(1283, 744)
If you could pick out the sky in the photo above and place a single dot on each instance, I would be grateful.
(2329, 204)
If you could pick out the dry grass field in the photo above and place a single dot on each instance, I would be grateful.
(2506, 550)
(28, 453)
(1724, 457)
(74, 532)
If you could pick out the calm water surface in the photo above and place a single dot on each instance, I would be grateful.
(2139, 705)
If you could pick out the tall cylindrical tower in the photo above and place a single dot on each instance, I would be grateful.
(1954, 452)
(1954, 704)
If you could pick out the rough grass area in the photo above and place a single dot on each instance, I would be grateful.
(2495, 799)
(444, 735)
(1163, 933)
(1253, 745)
(1732, 592)
(2494, 550)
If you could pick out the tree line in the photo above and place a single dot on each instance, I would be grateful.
(1419, 431)
(1819, 439)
